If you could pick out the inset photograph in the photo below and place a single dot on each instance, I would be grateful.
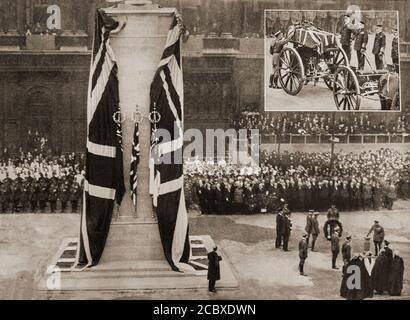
(332, 60)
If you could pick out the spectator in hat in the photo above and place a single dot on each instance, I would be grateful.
(303, 253)
(378, 236)
(379, 46)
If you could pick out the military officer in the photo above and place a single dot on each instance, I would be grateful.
(379, 47)
(276, 47)
(335, 247)
(395, 50)
(43, 193)
(378, 236)
(360, 45)
(346, 35)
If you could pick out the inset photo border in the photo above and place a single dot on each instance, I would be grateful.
(332, 60)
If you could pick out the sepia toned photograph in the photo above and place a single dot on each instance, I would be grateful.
(332, 60)
(197, 151)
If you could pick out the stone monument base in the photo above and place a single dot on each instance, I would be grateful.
(123, 274)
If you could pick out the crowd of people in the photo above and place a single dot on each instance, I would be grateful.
(320, 124)
(369, 180)
(40, 180)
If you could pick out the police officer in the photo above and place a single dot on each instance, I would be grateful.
(346, 35)
(395, 50)
(360, 45)
(379, 47)
(276, 47)
(75, 193)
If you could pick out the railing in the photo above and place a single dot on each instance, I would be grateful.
(343, 138)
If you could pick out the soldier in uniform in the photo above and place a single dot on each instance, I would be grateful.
(33, 195)
(25, 196)
(285, 230)
(53, 196)
(64, 195)
(379, 46)
(335, 247)
(360, 45)
(279, 221)
(4, 196)
(378, 236)
(276, 47)
(395, 50)
(43, 193)
(303, 254)
(75, 193)
(15, 195)
(346, 35)
(346, 252)
(314, 229)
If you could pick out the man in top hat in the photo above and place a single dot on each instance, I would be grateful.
(276, 47)
(360, 45)
(395, 49)
(346, 35)
(303, 253)
(378, 236)
(379, 47)
(214, 273)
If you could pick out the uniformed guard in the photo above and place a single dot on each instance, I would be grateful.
(3, 196)
(395, 50)
(379, 47)
(346, 35)
(43, 193)
(346, 252)
(286, 228)
(276, 47)
(360, 45)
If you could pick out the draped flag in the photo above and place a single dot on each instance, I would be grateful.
(166, 182)
(104, 181)
(135, 160)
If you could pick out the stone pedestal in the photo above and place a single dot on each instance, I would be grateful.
(138, 47)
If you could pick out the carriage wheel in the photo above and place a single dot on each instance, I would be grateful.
(346, 89)
(291, 71)
(338, 58)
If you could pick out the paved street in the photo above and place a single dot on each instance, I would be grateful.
(27, 243)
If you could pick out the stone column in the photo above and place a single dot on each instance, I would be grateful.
(138, 47)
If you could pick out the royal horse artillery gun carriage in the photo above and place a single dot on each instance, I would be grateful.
(313, 54)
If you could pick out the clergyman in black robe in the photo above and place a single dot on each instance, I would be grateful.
(396, 275)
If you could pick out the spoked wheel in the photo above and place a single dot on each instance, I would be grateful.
(336, 58)
(291, 71)
(346, 89)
